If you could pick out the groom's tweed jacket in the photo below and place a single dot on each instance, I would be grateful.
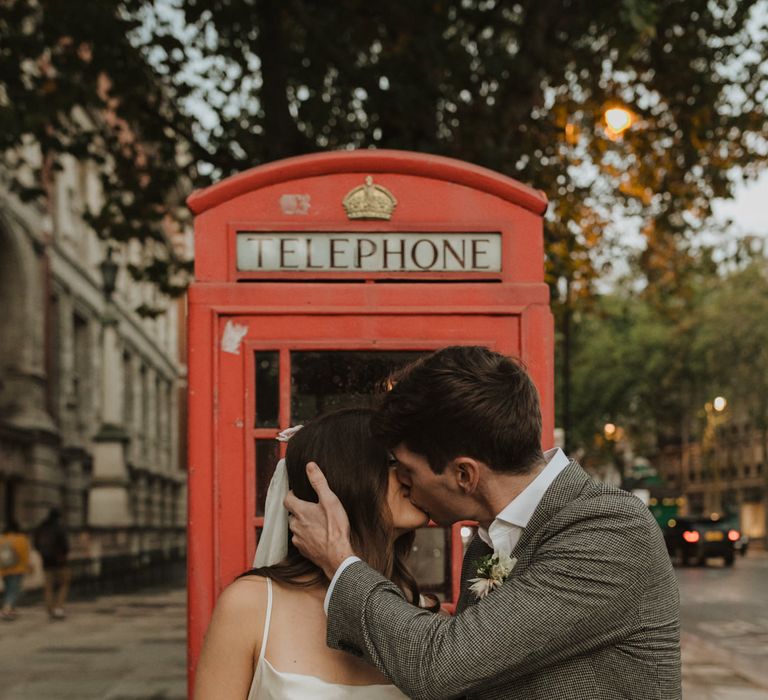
(590, 611)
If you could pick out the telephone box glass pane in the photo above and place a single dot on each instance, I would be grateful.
(429, 562)
(325, 380)
(267, 456)
(267, 388)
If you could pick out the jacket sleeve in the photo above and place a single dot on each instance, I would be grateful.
(587, 574)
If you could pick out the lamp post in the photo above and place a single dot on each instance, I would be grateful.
(715, 414)
(617, 119)
(613, 435)
(108, 505)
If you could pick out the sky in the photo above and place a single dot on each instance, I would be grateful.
(748, 209)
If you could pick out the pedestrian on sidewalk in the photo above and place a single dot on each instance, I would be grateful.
(14, 564)
(53, 544)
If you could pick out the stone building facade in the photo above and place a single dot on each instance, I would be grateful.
(91, 393)
(727, 476)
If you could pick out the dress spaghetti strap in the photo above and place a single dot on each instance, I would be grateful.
(267, 619)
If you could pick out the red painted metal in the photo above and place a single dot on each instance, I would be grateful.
(428, 167)
(286, 312)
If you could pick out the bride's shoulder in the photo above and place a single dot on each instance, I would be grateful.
(244, 595)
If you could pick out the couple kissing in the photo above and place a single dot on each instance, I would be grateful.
(567, 591)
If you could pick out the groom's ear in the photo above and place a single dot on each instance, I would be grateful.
(466, 471)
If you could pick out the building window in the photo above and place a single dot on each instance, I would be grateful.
(84, 505)
(159, 451)
(82, 369)
(144, 386)
(170, 428)
(128, 393)
(53, 343)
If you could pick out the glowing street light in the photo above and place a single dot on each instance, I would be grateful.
(610, 430)
(720, 404)
(618, 120)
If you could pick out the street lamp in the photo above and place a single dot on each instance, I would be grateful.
(109, 269)
(617, 120)
(714, 412)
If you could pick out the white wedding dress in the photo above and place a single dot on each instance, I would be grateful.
(271, 684)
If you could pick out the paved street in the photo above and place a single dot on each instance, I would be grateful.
(123, 647)
(725, 623)
(132, 647)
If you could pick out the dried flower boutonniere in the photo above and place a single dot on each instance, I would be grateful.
(492, 571)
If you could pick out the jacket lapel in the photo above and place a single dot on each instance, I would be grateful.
(566, 487)
(476, 549)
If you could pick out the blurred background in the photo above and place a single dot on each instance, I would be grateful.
(642, 121)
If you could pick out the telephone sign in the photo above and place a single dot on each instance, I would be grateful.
(372, 252)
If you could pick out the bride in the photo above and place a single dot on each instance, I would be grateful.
(267, 635)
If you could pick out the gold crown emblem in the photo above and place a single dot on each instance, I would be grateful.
(369, 201)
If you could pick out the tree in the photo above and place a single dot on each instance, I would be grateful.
(72, 83)
(631, 369)
(651, 371)
(519, 88)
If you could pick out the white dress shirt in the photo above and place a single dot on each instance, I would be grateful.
(504, 532)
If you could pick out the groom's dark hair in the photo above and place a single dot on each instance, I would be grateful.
(463, 401)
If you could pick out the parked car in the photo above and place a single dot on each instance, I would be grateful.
(693, 540)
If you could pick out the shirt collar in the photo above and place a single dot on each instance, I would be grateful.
(518, 512)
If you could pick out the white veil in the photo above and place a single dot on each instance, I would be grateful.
(273, 543)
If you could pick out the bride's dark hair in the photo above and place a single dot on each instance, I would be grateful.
(357, 470)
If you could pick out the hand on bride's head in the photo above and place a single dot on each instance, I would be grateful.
(320, 531)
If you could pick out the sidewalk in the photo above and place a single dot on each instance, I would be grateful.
(122, 647)
(132, 647)
(710, 673)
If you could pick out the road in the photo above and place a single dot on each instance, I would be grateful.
(724, 618)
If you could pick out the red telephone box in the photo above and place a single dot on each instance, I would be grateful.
(317, 275)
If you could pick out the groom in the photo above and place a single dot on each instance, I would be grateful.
(587, 607)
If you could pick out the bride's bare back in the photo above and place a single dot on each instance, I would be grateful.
(297, 637)
(296, 642)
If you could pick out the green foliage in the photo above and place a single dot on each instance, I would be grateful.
(734, 340)
(651, 369)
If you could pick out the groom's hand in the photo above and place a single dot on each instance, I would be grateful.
(320, 530)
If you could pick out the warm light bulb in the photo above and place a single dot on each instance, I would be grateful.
(609, 429)
(720, 403)
(618, 119)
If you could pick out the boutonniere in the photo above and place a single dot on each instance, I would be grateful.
(492, 571)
